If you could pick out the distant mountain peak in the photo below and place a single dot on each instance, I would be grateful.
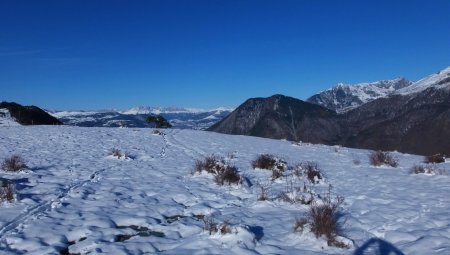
(437, 80)
(343, 97)
(162, 110)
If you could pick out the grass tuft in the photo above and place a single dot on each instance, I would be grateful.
(14, 164)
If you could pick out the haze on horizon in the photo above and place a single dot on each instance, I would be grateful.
(86, 55)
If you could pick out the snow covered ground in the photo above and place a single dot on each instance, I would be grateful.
(6, 119)
(75, 197)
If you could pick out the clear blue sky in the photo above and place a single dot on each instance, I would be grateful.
(97, 54)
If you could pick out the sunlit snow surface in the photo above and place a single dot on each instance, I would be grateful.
(78, 198)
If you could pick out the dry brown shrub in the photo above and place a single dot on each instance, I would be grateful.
(14, 164)
(378, 158)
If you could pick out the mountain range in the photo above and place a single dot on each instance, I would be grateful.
(394, 114)
(344, 97)
(184, 118)
(410, 117)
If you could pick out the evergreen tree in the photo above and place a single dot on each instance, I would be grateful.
(159, 121)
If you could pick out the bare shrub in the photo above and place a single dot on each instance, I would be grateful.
(378, 158)
(322, 220)
(232, 155)
(300, 224)
(213, 227)
(14, 164)
(223, 173)
(264, 161)
(310, 170)
(270, 162)
(418, 169)
(264, 191)
(209, 164)
(428, 169)
(116, 153)
(294, 198)
(296, 193)
(7, 192)
(436, 158)
(119, 154)
(227, 175)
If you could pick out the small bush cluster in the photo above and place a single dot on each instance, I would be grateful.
(264, 192)
(435, 159)
(14, 164)
(300, 224)
(213, 227)
(296, 192)
(118, 154)
(378, 158)
(428, 169)
(270, 162)
(322, 220)
(310, 170)
(223, 173)
(7, 192)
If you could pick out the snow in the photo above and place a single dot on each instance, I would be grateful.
(160, 110)
(344, 97)
(76, 196)
(66, 114)
(428, 82)
(6, 119)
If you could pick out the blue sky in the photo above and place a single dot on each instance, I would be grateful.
(99, 54)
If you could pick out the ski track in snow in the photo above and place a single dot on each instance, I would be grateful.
(77, 197)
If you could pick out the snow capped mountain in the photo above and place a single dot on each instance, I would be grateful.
(186, 118)
(437, 80)
(344, 97)
(169, 110)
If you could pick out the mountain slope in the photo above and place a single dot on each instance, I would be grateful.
(280, 117)
(437, 80)
(344, 97)
(416, 123)
(29, 115)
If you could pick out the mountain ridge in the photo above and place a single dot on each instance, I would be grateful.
(344, 97)
(136, 117)
(417, 122)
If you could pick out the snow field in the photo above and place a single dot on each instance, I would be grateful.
(76, 197)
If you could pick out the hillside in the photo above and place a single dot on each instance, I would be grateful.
(27, 115)
(280, 117)
(149, 202)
